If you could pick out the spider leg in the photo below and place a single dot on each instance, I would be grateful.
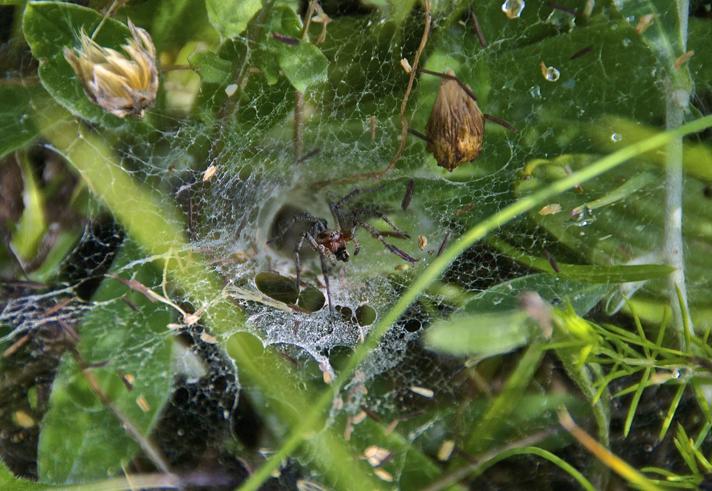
(323, 254)
(399, 232)
(325, 272)
(378, 236)
(302, 217)
(408, 195)
(334, 208)
(503, 123)
(357, 245)
(298, 261)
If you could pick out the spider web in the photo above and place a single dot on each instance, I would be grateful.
(351, 119)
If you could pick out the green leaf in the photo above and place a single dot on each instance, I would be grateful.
(49, 27)
(124, 339)
(480, 334)
(9, 481)
(230, 17)
(304, 65)
(505, 297)
(32, 224)
(617, 218)
(587, 272)
(211, 68)
(18, 127)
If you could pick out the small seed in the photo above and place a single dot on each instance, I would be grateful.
(406, 66)
(644, 22)
(422, 391)
(142, 403)
(445, 450)
(23, 420)
(550, 209)
(207, 338)
(209, 173)
(383, 475)
(376, 455)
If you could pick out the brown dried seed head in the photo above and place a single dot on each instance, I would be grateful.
(455, 129)
(121, 83)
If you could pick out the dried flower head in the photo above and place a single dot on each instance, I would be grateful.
(456, 125)
(122, 84)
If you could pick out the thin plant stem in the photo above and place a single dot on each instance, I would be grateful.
(491, 458)
(678, 98)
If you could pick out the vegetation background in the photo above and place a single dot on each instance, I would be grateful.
(554, 332)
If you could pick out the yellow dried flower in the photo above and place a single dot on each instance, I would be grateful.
(122, 84)
(455, 128)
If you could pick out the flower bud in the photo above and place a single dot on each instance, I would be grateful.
(455, 128)
(122, 84)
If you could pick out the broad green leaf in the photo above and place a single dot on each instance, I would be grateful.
(49, 27)
(32, 225)
(586, 273)
(211, 68)
(124, 339)
(618, 217)
(700, 31)
(304, 65)
(479, 334)
(174, 22)
(395, 10)
(230, 17)
(17, 125)
(9, 481)
(556, 291)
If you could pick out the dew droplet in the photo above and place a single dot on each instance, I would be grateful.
(583, 216)
(535, 92)
(561, 20)
(616, 137)
(513, 8)
(550, 73)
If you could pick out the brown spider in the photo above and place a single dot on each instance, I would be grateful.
(331, 244)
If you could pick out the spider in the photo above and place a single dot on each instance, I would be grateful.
(331, 244)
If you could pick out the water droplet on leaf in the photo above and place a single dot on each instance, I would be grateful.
(513, 8)
(550, 73)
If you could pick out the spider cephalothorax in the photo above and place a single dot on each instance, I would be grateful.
(332, 244)
(335, 242)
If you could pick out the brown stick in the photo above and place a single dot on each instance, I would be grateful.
(478, 30)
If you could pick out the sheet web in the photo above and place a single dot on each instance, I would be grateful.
(352, 121)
